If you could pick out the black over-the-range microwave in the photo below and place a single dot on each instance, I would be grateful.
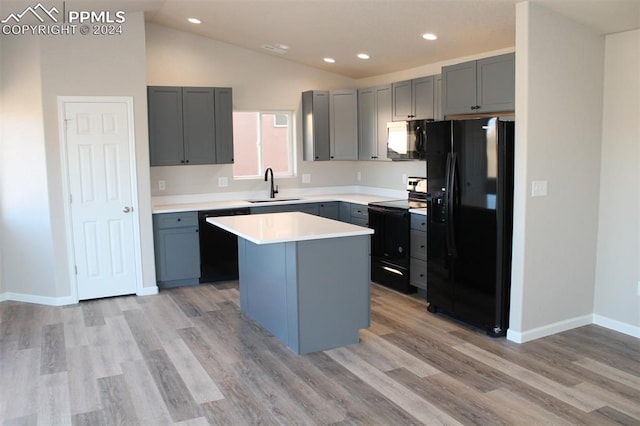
(406, 140)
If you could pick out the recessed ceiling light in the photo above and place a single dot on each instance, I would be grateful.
(194, 20)
(429, 36)
(329, 60)
(363, 56)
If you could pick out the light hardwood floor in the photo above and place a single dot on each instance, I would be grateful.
(188, 356)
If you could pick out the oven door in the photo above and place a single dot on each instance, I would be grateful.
(390, 241)
(390, 247)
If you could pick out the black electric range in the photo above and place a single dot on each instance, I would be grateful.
(391, 222)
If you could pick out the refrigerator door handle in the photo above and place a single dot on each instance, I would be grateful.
(453, 251)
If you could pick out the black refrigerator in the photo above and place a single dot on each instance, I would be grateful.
(470, 220)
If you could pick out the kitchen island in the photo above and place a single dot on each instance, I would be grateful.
(302, 277)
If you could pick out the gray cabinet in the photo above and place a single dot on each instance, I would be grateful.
(356, 214)
(330, 125)
(330, 210)
(177, 249)
(190, 125)
(343, 124)
(311, 208)
(485, 85)
(418, 252)
(315, 125)
(374, 111)
(413, 99)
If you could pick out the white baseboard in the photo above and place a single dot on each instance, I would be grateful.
(615, 325)
(59, 301)
(148, 291)
(40, 300)
(548, 330)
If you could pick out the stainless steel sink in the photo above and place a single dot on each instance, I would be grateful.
(273, 200)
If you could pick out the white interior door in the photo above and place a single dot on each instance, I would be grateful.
(100, 170)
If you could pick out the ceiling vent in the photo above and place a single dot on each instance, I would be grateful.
(274, 49)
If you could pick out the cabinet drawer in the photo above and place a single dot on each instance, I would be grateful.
(359, 212)
(418, 273)
(176, 220)
(419, 222)
(418, 244)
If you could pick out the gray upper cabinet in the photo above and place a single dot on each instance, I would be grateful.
(190, 125)
(330, 125)
(224, 124)
(413, 99)
(315, 125)
(343, 124)
(374, 111)
(166, 146)
(485, 85)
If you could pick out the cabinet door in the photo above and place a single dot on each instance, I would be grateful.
(315, 125)
(343, 124)
(437, 98)
(224, 124)
(402, 106)
(423, 94)
(329, 210)
(198, 121)
(367, 125)
(165, 126)
(178, 254)
(496, 83)
(383, 116)
(459, 88)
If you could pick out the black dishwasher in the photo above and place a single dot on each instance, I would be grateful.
(218, 248)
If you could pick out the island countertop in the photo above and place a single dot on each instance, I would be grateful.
(272, 228)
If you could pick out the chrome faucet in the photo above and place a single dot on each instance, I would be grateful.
(272, 192)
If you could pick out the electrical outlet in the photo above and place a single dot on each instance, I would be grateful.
(306, 178)
(162, 185)
(223, 182)
(539, 188)
(358, 176)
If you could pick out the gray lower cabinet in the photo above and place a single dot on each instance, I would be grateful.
(330, 210)
(485, 85)
(418, 252)
(177, 249)
(374, 112)
(413, 99)
(190, 125)
(353, 213)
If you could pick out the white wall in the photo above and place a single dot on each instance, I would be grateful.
(259, 81)
(617, 301)
(27, 249)
(559, 88)
(35, 71)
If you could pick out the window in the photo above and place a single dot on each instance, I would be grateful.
(260, 140)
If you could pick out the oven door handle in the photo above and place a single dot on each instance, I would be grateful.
(384, 210)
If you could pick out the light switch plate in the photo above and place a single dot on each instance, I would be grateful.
(539, 188)
(306, 178)
(223, 182)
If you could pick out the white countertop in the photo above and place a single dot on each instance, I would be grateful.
(286, 227)
(238, 200)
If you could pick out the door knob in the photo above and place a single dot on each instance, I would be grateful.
(127, 209)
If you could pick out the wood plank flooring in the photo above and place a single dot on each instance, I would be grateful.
(188, 356)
